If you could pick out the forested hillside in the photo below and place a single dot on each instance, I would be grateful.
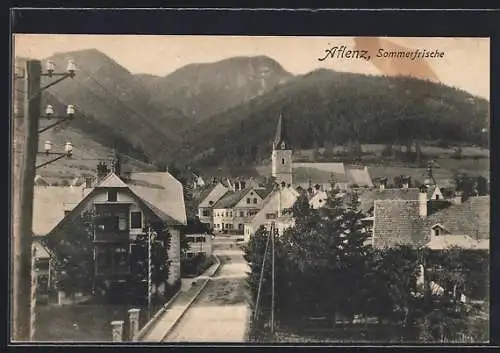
(326, 108)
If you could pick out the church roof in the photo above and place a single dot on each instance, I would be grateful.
(281, 136)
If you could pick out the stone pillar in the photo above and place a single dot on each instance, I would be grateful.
(133, 319)
(117, 327)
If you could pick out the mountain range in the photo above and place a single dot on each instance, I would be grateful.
(225, 113)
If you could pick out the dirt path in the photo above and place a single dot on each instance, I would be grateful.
(220, 313)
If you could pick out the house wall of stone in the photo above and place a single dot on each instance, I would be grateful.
(174, 255)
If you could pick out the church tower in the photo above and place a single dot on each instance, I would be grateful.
(282, 156)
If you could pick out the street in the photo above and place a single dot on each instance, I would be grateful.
(220, 313)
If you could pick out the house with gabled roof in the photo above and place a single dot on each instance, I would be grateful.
(123, 209)
(206, 200)
(232, 210)
(465, 224)
(272, 210)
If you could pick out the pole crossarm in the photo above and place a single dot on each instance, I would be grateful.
(60, 156)
(62, 120)
(55, 82)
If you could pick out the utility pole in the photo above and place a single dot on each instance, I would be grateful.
(150, 269)
(22, 233)
(23, 240)
(273, 275)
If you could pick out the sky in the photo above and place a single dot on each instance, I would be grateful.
(465, 62)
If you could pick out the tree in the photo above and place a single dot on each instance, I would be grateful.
(73, 255)
(327, 249)
(389, 279)
(160, 244)
(471, 186)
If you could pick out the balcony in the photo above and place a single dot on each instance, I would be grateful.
(112, 225)
(116, 236)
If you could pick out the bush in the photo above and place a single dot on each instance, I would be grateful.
(195, 266)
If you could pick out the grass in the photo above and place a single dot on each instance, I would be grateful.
(85, 322)
(445, 165)
(78, 323)
(373, 333)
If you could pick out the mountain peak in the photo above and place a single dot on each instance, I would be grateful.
(200, 90)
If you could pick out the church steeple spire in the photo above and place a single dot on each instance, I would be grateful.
(281, 139)
(281, 157)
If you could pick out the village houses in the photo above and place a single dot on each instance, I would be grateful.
(125, 204)
(413, 213)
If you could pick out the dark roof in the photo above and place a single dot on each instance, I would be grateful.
(281, 136)
(205, 192)
(230, 199)
(368, 196)
(472, 217)
(397, 222)
(263, 192)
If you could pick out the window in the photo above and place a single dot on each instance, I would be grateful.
(122, 222)
(242, 213)
(240, 226)
(248, 200)
(437, 196)
(206, 213)
(136, 220)
(255, 200)
(436, 231)
(230, 214)
(112, 195)
(112, 260)
(66, 213)
(107, 223)
(103, 261)
(282, 160)
(270, 215)
(120, 260)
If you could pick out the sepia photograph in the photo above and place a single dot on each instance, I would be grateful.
(250, 189)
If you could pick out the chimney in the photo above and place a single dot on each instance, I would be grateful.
(88, 182)
(457, 198)
(422, 202)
